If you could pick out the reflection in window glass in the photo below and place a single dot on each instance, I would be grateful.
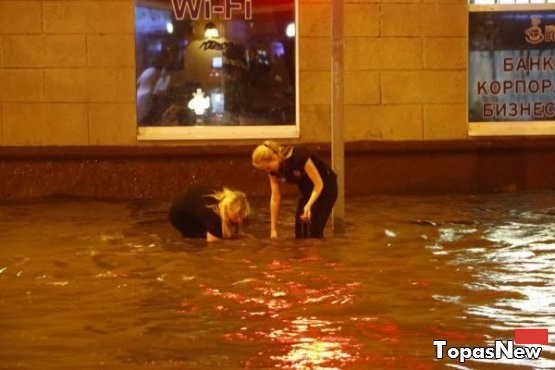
(215, 63)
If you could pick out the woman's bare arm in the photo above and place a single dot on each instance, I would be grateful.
(275, 204)
(316, 179)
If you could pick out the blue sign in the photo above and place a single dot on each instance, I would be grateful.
(511, 66)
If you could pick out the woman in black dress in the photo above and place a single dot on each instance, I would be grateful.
(214, 215)
(316, 181)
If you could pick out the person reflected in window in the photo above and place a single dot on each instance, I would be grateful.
(316, 181)
(214, 215)
(152, 88)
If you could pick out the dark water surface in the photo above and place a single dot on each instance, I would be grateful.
(90, 285)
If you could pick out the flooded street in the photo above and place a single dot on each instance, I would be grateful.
(91, 285)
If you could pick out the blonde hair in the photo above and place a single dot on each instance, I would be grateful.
(265, 152)
(233, 200)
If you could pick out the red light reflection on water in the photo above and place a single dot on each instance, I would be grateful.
(290, 327)
(311, 343)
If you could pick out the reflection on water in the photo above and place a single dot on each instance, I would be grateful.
(96, 284)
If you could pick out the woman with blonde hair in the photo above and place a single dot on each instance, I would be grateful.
(316, 181)
(214, 215)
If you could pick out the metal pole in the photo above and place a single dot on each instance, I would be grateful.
(337, 116)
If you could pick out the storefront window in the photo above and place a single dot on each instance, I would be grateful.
(211, 69)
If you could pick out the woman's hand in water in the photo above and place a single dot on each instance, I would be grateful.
(306, 214)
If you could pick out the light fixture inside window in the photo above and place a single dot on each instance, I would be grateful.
(199, 103)
(169, 27)
(210, 31)
(290, 30)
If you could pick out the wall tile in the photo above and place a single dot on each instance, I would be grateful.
(111, 17)
(315, 20)
(401, 20)
(45, 124)
(20, 85)
(383, 122)
(444, 19)
(445, 53)
(383, 53)
(112, 124)
(20, 17)
(362, 87)
(413, 20)
(66, 16)
(315, 88)
(91, 17)
(315, 121)
(423, 87)
(361, 20)
(111, 85)
(445, 122)
(314, 54)
(111, 51)
(44, 51)
(66, 85)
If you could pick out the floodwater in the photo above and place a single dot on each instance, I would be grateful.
(91, 285)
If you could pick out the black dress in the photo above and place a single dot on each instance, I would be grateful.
(190, 214)
(292, 171)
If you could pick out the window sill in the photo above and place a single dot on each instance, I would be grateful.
(216, 132)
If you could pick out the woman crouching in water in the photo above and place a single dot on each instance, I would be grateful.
(214, 215)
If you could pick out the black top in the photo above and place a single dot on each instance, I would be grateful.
(292, 170)
(191, 215)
